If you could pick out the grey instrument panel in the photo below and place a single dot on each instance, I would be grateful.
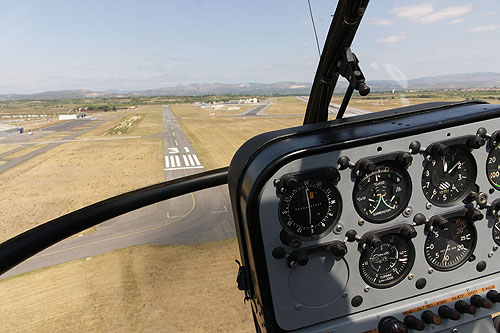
(324, 289)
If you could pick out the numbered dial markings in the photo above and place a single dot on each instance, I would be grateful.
(448, 179)
(493, 167)
(310, 209)
(388, 264)
(382, 194)
(496, 231)
(447, 249)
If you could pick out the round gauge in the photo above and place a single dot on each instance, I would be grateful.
(493, 167)
(496, 231)
(449, 178)
(449, 248)
(382, 194)
(310, 209)
(386, 265)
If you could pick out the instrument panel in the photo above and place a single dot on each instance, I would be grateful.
(352, 223)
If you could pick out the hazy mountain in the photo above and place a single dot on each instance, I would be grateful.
(452, 81)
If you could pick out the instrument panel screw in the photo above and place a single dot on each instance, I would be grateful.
(490, 255)
(298, 307)
(361, 222)
(430, 271)
(495, 248)
(407, 212)
(345, 294)
(454, 330)
(410, 276)
(428, 206)
(276, 182)
(367, 289)
(339, 228)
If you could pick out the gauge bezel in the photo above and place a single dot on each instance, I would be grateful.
(402, 206)
(470, 185)
(335, 194)
(402, 276)
(464, 260)
(494, 185)
(497, 221)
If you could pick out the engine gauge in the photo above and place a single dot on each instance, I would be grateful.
(310, 209)
(496, 231)
(387, 264)
(449, 248)
(493, 167)
(449, 178)
(382, 194)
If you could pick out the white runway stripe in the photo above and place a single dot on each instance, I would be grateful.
(178, 160)
(183, 168)
(185, 160)
(197, 161)
(167, 162)
(191, 160)
(186, 149)
(172, 161)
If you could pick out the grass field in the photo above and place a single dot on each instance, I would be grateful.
(286, 105)
(138, 289)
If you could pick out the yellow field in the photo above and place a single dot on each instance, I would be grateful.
(7, 147)
(138, 289)
(286, 105)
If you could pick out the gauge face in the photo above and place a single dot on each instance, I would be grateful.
(496, 231)
(386, 265)
(448, 179)
(310, 209)
(382, 194)
(452, 246)
(493, 167)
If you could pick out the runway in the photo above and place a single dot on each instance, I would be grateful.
(194, 218)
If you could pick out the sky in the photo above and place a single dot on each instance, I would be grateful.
(133, 45)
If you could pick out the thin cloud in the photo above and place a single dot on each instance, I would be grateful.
(456, 21)
(380, 21)
(425, 13)
(391, 39)
(488, 27)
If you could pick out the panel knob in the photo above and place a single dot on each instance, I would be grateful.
(430, 317)
(493, 296)
(414, 323)
(464, 307)
(391, 325)
(480, 302)
(448, 313)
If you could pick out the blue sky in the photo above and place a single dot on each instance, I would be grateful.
(128, 45)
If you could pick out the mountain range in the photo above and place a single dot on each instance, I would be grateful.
(482, 80)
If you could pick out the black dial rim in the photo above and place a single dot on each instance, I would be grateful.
(450, 178)
(388, 264)
(449, 248)
(496, 231)
(493, 168)
(383, 194)
(311, 209)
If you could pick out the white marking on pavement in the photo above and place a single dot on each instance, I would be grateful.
(183, 168)
(178, 160)
(185, 160)
(172, 217)
(176, 143)
(167, 163)
(191, 160)
(186, 149)
(173, 150)
(173, 133)
(172, 161)
(196, 159)
(220, 211)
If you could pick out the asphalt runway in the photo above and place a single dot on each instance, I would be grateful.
(190, 219)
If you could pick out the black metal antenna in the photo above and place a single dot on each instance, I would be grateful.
(314, 27)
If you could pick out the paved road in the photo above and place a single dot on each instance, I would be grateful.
(74, 127)
(256, 111)
(194, 218)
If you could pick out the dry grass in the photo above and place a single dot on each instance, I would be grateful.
(144, 288)
(286, 105)
(216, 140)
(189, 110)
(74, 175)
(25, 151)
(7, 147)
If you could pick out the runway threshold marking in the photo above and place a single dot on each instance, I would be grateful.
(121, 236)
(221, 211)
